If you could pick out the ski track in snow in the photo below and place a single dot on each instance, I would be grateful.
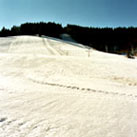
(84, 89)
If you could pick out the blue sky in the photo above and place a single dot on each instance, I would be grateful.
(94, 13)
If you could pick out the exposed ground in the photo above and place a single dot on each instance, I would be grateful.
(49, 88)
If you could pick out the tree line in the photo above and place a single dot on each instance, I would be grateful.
(49, 29)
(114, 40)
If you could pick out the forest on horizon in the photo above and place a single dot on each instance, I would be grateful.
(113, 40)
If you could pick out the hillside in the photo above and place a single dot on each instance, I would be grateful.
(120, 40)
(50, 88)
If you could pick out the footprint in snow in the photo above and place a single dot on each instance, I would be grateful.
(2, 119)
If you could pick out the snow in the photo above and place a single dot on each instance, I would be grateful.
(50, 88)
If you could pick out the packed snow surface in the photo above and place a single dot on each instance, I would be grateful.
(49, 88)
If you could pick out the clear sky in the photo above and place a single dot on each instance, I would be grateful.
(94, 13)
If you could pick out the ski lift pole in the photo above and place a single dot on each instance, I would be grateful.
(88, 51)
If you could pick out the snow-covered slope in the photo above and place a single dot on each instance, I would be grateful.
(50, 88)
